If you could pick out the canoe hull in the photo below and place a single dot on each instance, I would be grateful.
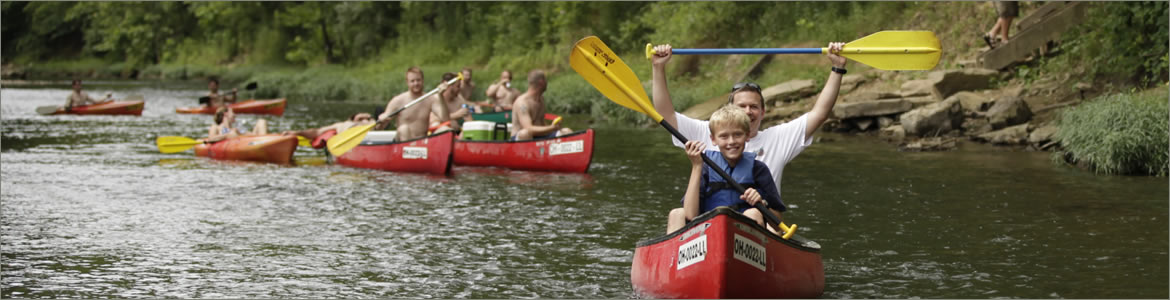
(273, 148)
(133, 108)
(431, 154)
(257, 107)
(570, 153)
(723, 254)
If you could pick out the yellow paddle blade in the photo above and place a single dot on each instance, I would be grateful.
(594, 61)
(302, 141)
(172, 144)
(895, 50)
(348, 139)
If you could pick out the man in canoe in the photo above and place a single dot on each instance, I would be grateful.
(501, 94)
(218, 100)
(79, 98)
(775, 146)
(466, 86)
(706, 190)
(528, 112)
(413, 121)
(318, 136)
(456, 104)
(225, 126)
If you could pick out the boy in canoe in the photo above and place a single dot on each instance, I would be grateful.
(318, 136)
(501, 94)
(413, 121)
(218, 100)
(528, 112)
(79, 98)
(225, 126)
(706, 190)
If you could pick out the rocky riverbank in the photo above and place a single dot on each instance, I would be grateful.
(930, 111)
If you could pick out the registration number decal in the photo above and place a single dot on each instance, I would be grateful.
(414, 152)
(692, 252)
(577, 146)
(750, 252)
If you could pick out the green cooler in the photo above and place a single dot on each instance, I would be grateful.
(485, 131)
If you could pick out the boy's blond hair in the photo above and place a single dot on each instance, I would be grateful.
(730, 115)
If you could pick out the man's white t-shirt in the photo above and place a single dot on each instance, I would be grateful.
(775, 146)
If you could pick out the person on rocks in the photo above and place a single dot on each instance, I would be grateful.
(707, 190)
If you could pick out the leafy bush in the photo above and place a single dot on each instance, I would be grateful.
(1127, 39)
(1119, 134)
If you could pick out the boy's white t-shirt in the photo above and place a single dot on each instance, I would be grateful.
(775, 146)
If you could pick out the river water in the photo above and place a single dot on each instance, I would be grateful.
(91, 209)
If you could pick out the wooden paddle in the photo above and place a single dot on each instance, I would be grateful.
(172, 144)
(886, 50)
(594, 61)
(350, 138)
(207, 99)
(50, 109)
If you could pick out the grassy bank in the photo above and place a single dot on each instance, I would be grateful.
(1124, 133)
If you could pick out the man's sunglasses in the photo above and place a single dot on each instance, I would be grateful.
(741, 85)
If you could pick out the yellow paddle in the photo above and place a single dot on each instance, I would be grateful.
(352, 137)
(172, 144)
(594, 61)
(886, 50)
(302, 141)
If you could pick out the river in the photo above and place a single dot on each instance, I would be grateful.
(91, 209)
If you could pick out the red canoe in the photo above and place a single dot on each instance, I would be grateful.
(108, 108)
(259, 107)
(723, 254)
(569, 153)
(272, 148)
(430, 154)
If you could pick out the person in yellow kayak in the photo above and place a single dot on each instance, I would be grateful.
(456, 104)
(413, 121)
(318, 136)
(501, 94)
(225, 126)
(218, 100)
(528, 112)
(776, 145)
(706, 190)
(79, 98)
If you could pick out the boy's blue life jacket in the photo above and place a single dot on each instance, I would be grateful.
(719, 192)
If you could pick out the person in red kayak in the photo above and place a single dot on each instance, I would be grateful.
(706, 190)
(318, 136)
(413, 121)
(79, 98)
(776, 145)
(528, 112)
(218, 100)
(225, 127)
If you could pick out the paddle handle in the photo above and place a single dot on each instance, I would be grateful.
(788, 231)
(696, 51)
(424, 96)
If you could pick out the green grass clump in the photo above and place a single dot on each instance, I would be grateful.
(1124, 133)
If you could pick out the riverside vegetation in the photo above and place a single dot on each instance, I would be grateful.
(356, 51)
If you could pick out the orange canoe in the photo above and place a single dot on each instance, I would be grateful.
(108, 108)
(260, 107)
(272, 148)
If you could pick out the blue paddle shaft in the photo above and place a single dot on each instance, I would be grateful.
(747, 51)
